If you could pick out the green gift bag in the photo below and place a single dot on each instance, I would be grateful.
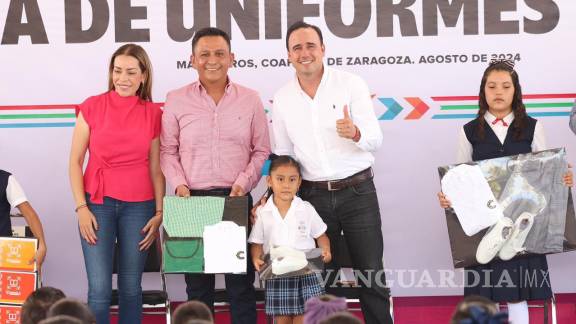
(182, 254)
(184, 221)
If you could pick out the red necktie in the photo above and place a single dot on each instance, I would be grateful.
(505, 124)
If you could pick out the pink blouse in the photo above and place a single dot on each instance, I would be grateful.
(121, 131)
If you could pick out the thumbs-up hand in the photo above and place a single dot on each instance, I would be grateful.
(345, 126)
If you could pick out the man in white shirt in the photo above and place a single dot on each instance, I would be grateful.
(325, 119)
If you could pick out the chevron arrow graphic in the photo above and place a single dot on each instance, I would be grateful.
(393, 108)
(420, 108)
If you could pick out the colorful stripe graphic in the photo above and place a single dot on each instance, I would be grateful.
(393, 108)
(37, 116)
(420, 108)
(537, 105)
(40, 116)
(466, 107)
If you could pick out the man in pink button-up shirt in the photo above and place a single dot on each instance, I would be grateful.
(214, 142)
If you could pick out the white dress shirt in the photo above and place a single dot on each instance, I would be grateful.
(464, 150)
(14, 192)
(298, 229)
(305, 127)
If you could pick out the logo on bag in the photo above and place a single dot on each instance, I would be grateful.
(240, 255)
(491, 204)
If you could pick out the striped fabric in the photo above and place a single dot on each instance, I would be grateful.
(287, 296)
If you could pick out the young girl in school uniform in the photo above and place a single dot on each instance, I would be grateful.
(288, 221)
(503, 128)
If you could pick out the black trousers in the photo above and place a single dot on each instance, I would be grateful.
(239, 287)
(355, 212)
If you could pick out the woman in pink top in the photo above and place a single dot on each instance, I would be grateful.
(119, 196)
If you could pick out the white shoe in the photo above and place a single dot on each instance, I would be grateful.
(514, 245)
(288, 264)
(493, 240)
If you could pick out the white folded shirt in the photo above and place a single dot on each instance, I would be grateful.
(224, 248)
(471, 197)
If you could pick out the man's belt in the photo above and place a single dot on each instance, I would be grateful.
(339, 184)
(211, 192)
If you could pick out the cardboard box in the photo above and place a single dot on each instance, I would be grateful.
(16, 286)
(10, 314)
(16, 253)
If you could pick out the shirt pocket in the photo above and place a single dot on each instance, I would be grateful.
(301, 231)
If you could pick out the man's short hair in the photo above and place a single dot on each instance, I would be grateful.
(299, 25)
(191, 310)
(37, 304)
(73, 308)
(61, 319)
(210, 31)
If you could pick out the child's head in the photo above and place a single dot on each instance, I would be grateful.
(61, 319)
(500, 94)
(341, 318)
(285, 177)
(318, 308)
(500, 88)
(473, 309)
(73, 308)
(192, 310)
(37, 304)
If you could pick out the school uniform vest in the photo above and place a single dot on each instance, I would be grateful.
(490, 147)
(5, 223)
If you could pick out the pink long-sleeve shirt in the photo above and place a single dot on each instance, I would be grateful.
(205, 146)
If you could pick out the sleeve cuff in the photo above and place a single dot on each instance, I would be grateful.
(322, 231)
(243, 182)
(17, 202)
(363, 142)
(176, 181)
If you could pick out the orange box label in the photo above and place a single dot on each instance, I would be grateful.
(16, 253)
(16, 286)
(9, 314)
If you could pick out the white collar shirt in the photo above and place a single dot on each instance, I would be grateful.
(464, 151)
(305, 127)
(298, 229)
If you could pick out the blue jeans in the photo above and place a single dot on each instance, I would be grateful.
(355, 212)
(122, 221)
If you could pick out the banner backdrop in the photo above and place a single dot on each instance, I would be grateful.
(423, 60)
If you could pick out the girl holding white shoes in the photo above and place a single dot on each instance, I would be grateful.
(289, 222)
(502, 128)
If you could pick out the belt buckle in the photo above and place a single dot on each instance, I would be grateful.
(330, 186)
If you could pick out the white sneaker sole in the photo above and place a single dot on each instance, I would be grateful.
(493, 240)
(514, 245)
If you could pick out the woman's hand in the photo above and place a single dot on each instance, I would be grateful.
(444, 202)
(88, 225)
(150, 230)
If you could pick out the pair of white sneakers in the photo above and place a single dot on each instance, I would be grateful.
(505, 238)
(286, 260)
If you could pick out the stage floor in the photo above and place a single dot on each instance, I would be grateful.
(416, 310)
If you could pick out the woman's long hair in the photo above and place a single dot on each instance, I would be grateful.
(518, 107)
